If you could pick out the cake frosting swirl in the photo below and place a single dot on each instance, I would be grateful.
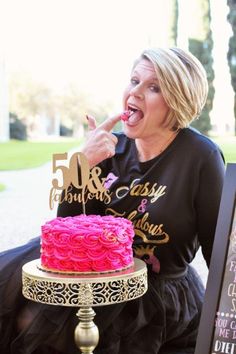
(87, 243)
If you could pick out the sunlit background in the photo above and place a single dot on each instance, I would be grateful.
(61, 59)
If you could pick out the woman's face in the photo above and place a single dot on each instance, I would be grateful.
(144, 98)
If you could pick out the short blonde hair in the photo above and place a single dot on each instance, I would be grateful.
(183, 83)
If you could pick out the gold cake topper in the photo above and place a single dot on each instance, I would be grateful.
(79, 183)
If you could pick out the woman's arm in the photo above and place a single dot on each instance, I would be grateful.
(208, 201)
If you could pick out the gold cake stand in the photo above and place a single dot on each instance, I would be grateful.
(84, 291)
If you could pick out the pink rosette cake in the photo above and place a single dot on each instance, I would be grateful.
(87, 244)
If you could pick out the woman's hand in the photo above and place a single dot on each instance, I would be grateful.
(101, 143)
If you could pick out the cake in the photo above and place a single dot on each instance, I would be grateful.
(87, 244)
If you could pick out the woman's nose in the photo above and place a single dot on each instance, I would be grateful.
(137, 91)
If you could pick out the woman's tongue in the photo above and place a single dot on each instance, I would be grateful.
(135, 117)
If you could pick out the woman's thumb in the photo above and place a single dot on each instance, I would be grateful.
(91, 122)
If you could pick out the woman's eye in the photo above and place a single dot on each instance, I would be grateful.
(134, 81)
(155, 88)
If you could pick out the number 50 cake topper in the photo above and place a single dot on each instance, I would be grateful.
(79, 182)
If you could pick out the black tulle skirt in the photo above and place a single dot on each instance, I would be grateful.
(163, 321)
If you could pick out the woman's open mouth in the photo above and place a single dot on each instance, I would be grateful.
(135, 115)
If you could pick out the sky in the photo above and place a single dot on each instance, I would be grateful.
(94, 42)
(90, 42)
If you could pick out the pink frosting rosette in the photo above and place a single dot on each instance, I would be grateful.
(90, 240)
(97, 255)
(78, 255)
(102, 266)
(47, 250)
(74, 240)
(108, 239)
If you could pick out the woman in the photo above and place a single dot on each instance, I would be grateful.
(167, 179)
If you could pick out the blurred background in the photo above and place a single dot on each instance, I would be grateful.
(63, 59)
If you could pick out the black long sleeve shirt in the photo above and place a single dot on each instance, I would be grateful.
(172, 200)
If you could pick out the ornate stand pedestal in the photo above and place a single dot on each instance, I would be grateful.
(85, 291)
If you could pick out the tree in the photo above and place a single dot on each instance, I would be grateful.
(18, 129)
(173, 28)
(231, 55)
(26, 96)
(74, 105)
(200, 45)
(29, 98)
(34, 101)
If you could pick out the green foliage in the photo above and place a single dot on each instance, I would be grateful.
(2, 187)
(201, 47)
(18, 129)
(30, 100)
(65, 131)
(202, 123)
(29, 97)
(231, 55)
(174, 15)
(202, 50)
